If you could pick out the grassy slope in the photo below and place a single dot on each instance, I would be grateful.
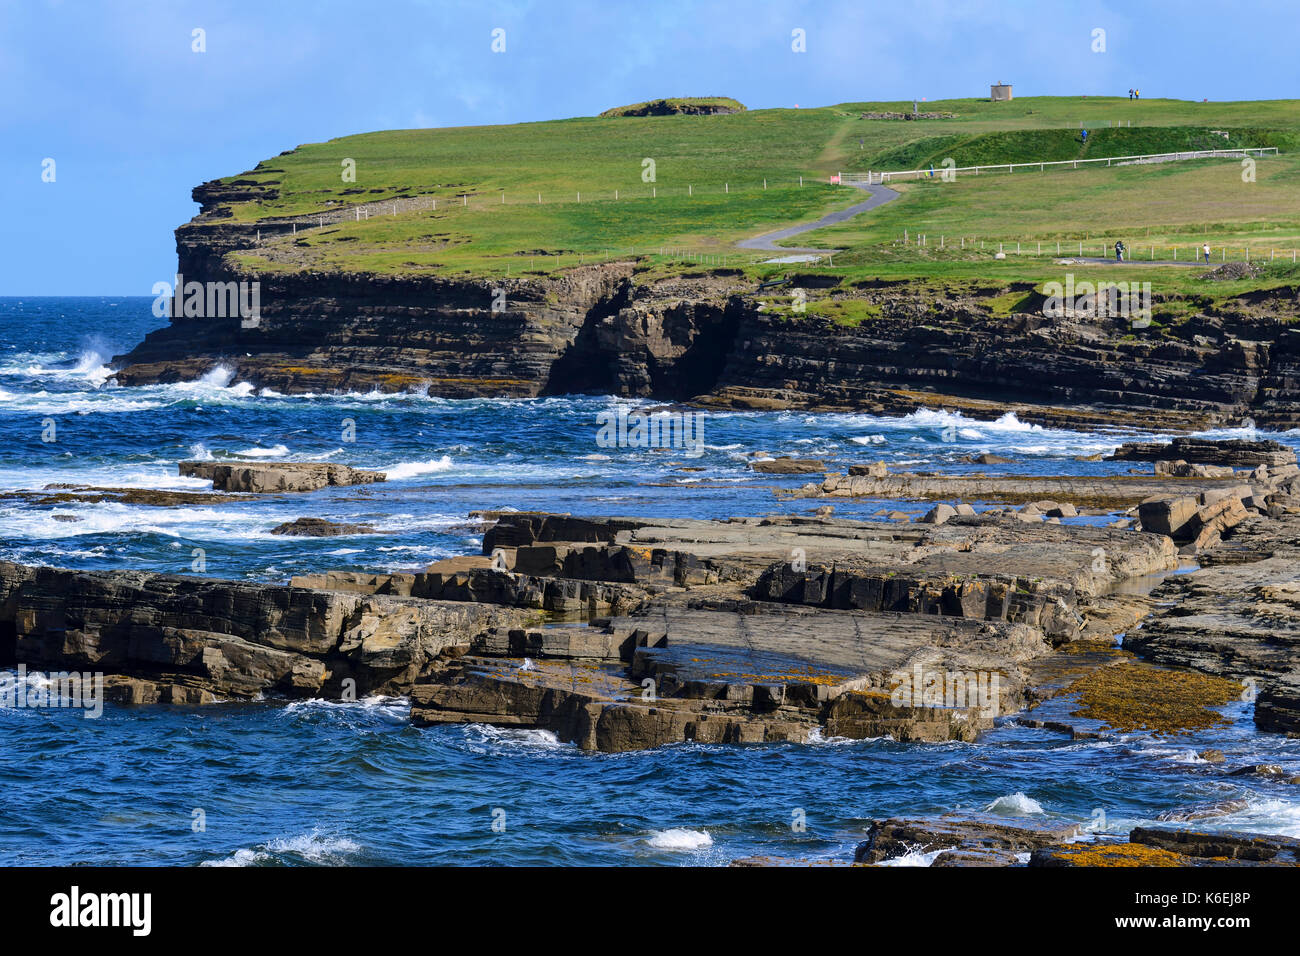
(594, 156)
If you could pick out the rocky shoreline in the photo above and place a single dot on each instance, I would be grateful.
(620, 633)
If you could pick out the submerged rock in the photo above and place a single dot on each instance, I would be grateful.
(320, 528)
(788, 466)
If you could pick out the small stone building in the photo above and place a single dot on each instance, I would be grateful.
(999, 92)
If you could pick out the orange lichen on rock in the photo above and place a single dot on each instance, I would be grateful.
(1120, 854)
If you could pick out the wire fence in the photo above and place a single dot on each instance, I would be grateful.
(1190, 252)
(487, 199)
(269, 229)
(543, 263)
(879, 177)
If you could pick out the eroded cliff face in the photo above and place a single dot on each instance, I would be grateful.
(712, 338)
(1209, 369)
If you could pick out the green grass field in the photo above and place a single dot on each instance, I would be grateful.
(720, 178)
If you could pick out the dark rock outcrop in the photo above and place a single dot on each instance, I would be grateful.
(320, 528)
(707, 338)
(222, 639)
(1238, 617)
(283, 476)
(1235, 453)
(965, 841)
(987, 841)
(1148, 846)
(787, 466)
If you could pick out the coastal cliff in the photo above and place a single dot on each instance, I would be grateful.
(712, 337)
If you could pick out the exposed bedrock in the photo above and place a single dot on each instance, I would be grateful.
(711, 338)
(191, 640)
(621, 633)
(1235, 453)
(987, 841)
(278, 476)
(1238, 616)
(735, 639)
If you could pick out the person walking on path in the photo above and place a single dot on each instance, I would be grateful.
(1083, 136)
(1206, 250)
(1119, 250)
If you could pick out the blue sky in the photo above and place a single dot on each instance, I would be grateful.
(112, 91)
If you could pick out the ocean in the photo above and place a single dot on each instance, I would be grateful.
(314, 782)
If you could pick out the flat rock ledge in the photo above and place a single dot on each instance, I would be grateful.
(1118, 492)
(266, 478)
(985, 840)
(619, 633)
(623, 633)
(778, 629)
(190, 640)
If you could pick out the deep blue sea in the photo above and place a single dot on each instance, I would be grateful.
(329, 783)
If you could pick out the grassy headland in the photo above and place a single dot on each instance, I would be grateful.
(539, 197)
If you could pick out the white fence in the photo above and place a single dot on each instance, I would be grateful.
(1094, 248)
(875, 177)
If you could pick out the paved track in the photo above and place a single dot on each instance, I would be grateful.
(767, 242)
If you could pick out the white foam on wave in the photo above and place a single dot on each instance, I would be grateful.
(1015, 805)
(108, 400)
(90, 366)
(1262, 814)
(391, 709)
(276, 451)
(413, 469)
(313, 847)
(938, 418)
(219, 376)
(914, 858)
(483, 736)
(679, 839)
(197, 523)
(103, 396)
(817, 737)
(405, 522)
(321, 456)
(154, 476)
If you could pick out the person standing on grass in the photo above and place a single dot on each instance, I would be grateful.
(1206, 249)
(1119, 250)
(1083, 136)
